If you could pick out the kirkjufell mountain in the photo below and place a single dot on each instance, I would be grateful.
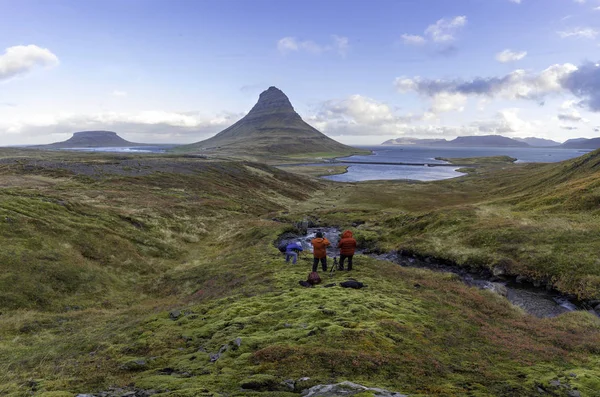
(93, 139)
(271, 127)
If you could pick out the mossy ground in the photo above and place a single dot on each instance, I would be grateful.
(122, 281)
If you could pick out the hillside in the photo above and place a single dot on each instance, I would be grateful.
(582, 143)
(272, 127)
(414, 141)
(486, 140)
(538, 142)
(84, 139)
(159, 275)
(464, 141)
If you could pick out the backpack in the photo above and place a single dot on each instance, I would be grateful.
(282, 247)
(352, 284)
(313, 278)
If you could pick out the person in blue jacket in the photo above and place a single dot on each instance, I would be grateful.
(291, 251)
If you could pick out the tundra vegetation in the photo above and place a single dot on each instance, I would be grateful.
(161, 273)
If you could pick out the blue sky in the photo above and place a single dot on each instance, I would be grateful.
(360, 71)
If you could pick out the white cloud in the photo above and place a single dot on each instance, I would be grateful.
(146, 125)
(583, 33)
(340, 44)
(510, 56)
(444, 30)
(21, 59)
(447, 102)
(516, 85)
(412, 39)
(287, 44)
(515, 1)
(119, 93)
(358, 115)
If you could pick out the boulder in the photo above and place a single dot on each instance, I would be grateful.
(346, 389)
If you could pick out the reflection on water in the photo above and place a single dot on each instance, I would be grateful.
(417, 154)
(371, 172)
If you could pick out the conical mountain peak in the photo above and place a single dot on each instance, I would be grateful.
(272, 101)
(271, 126)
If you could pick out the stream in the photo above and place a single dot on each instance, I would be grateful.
(537, 301)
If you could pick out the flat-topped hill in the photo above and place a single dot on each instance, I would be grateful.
(93, 139)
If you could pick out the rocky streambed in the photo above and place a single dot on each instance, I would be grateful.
(535, 299)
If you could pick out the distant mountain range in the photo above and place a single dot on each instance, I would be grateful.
(538, 142)
(582, 143)
(498, 141)
(87, 139)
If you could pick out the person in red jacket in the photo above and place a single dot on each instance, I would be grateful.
(320, 245)
(347, 246)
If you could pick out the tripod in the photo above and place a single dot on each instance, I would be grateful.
(334, 267)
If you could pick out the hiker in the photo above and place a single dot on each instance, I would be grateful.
(320, 245)
(347, 246)
(291, 251)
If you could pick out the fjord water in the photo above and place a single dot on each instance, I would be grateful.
(123, 149)
(422, 154)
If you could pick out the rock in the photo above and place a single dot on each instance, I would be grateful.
(541, 391)
(260, 382)
(573, 393)
(238, 342)
(328, 312)
(520, 279)
(498, 288)
(573, 375)
(498, 271)
(555, 383)
(346, 389)
(134, 365)
(215, 356)
(146, 393)
(537, 283)
(597, 308)
(174, 315)
(289, 383)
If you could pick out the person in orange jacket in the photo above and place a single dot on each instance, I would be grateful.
(347, 246)
(320, 245)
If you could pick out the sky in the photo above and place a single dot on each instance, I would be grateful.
(362, 72)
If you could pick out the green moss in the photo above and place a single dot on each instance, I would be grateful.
(178, 271)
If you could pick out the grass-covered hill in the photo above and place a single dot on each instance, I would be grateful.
(160, 273)
(272, 128)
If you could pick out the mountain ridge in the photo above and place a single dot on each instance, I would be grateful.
(465, 141)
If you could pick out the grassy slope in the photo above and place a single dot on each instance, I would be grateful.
(122, 252)
(537, 220)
